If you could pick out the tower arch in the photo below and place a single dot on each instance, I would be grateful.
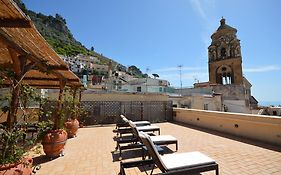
(224, 75)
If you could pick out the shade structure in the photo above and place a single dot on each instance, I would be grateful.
(25, 51)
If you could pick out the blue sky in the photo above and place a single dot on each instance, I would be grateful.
(162, 34)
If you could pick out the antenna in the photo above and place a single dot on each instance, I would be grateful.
(146, 71)
(180, 67)
(196, 80)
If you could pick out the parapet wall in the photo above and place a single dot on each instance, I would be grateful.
(116, 96)
(258, 127)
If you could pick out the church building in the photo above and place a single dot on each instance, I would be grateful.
(225, 76)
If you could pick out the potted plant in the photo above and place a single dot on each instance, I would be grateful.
(73, 110)
(13, 147)
(55, 138)
(71, 125)
(14, 136)
(65, 108)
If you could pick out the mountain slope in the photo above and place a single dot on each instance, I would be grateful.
(57, 34)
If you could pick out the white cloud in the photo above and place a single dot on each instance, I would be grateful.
(262, 69)
(206, 10)
(173, 69)
(197, 6)
(201, 76)
(189, 75)
(187, 78)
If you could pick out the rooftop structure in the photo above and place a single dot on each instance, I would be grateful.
(92, 152)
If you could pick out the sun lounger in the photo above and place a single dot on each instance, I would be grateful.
(128, 130)
(124, 122)
(179, 163)
(158, 140)
(132, 144)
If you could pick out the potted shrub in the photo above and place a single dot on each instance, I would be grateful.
(73, 112)
(13, 147)
(14, 138)
(55, 138)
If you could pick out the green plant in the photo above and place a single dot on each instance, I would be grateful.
(12, 148)
(42, 128)
(70, 108)
(16, 142)
(15, 138)
(50, 114)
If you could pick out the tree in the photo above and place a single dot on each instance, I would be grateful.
(155, 75)
(134, 70)
(92, 49)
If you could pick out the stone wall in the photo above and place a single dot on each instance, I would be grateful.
(257, 127)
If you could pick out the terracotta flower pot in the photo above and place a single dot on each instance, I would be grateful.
(53, 142)
(23, 167)
(72, 127)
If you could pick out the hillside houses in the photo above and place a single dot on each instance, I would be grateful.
(81, 62)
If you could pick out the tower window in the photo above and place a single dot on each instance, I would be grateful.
(223, 52)
(205, 106)
(224, 75)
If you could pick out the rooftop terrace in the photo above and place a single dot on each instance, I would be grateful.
(92, 152)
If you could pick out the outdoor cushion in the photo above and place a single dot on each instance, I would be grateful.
(185, 160)
(162, 138)
(142, 122)
(147, 128)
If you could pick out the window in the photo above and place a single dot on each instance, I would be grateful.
(139, 89)
(224, 75)
(205, 106)
(223, 52)
(160, 89)
(274, 112)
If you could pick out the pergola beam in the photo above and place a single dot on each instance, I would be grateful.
(49, 79)
(21, 51)
(15, 23)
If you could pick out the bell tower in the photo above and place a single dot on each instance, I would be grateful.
(224, 53)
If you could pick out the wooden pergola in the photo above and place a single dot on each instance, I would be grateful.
(25, 52)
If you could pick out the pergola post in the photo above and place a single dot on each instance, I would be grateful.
(12, 115)
(74, 95)
(57, 119)
(73, 102)
(80, 97)
(19, 68)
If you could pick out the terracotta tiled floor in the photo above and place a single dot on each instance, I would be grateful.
(91, 153)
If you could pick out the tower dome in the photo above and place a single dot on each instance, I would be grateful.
(222, 29)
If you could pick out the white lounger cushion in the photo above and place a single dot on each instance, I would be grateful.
(162, 138)
(141, 123)
(185, 160)
(147, 128)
